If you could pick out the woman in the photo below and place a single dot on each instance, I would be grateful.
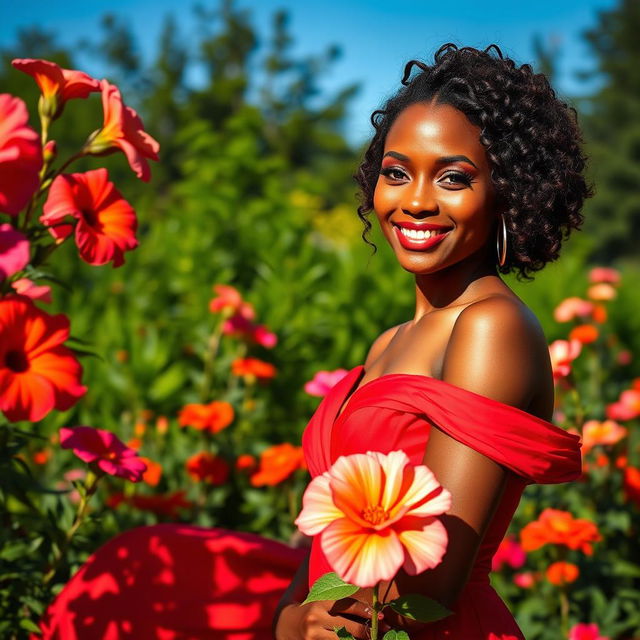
(475, 169)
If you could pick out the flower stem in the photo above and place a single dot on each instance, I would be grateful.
(375, 605)
(91, 484)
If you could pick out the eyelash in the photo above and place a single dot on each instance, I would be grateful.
(464, 177)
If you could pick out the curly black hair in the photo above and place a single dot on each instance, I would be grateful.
(531, 137)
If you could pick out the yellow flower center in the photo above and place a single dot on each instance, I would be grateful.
(375, 515)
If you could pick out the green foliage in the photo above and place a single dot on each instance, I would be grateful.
(417, 607)
(330, 587)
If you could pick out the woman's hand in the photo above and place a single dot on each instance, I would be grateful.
(318, 620)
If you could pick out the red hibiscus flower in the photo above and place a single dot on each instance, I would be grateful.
(105, 450)
(14, 251)
(37, 373)
(106, 223)
(207, 467)
(20, 155)
(123, 130)
(57, 85)
(212, 417)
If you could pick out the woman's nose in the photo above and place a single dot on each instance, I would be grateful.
(419, 198)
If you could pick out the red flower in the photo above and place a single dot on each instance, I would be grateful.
(106, 223)
(37, 373)
(560, 527)
(632, 484)
(561, 573)
(509, 552)
(207, 467)
(253, 369)
(57, 85)
(14, 251)
(123, 129)
(604, 274)
(584, 333)
(240, 326)
(246, 462)
(277, 463)
(212, 417)
(562, 354)
(105, 450)
(20, 155)
(230, 300)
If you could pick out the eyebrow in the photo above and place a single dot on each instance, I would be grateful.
(442, 160)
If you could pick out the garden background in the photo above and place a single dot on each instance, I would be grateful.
(254, 190)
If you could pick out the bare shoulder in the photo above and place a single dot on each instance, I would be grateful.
(497, 348)
(380, 344)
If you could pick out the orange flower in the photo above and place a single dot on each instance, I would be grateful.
(562, 354)
(207, 467)
(599, 314)
(253, 369)
(277, 463)
(37, 373)
(560, 527)
(375, 513)
(106, 223)
(41, 457)
(631, 483)
(246, 462)
(57, 85)
(584, 333)
(123, 129)
(212, 417)
(20, 155)
(153, 473)
(561, 573)
(601, 291)
(601, 433)
(230, 300)
(162, 424)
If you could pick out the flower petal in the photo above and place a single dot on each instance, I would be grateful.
(318, 509)
(425, 542)
(426, 497)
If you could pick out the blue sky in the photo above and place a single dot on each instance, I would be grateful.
(377, 37)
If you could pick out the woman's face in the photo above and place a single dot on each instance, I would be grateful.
(434, 195)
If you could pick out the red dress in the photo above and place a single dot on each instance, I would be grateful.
(184, 582)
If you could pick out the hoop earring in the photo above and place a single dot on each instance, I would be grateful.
(502, 254)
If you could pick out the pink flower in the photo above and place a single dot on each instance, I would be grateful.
(57, 85)
(323, 381)
(595, 433)
(26, 287)
(627, 407)
(105, 223)
(230, 299)
(509, 552)
(105, 450)
(375, 513)
(20, 155)
(604, 274)
(14, 251)
(123, 129)
(563, 353)
(525, 579)
(572, 308)
(583, 631)
(240, 326)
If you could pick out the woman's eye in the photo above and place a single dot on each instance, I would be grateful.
(393, 173)
(457, 178)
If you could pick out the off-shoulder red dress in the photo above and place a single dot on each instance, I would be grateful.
(183, 582)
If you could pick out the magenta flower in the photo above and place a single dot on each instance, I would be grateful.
(583, 631)
(105, 450)
(240, 326)
(323, 381)
(14, 251)
(509, 552)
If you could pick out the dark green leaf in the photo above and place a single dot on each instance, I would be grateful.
(343, 633)
(396, 635)
(417, 607)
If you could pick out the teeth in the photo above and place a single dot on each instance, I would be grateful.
(414, 234)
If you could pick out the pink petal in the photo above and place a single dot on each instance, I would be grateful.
(425, 542)
(318, 509)
(426, 497)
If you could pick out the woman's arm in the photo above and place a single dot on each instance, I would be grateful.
(494, 350)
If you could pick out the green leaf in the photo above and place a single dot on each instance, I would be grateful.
(343, 633)
(330, 587)
(396, 635)
(29, 625)
(417, 607)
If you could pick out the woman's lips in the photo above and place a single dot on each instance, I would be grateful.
(413, 244)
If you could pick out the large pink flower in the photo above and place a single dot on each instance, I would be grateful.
(323, 381)
(376, 513)
(106, 222)
(37, 372)
(20, 155)
(123, 129)
(105, 450)
(56, 84)
(14, 251)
